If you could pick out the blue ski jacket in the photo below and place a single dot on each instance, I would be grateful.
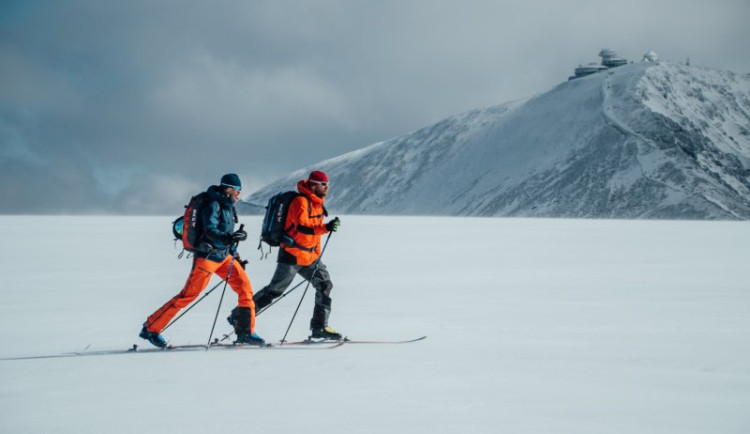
(218, 218)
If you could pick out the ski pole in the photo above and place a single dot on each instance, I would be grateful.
(229, 273)
(315, 271)
(206, 294)
(287, 292)
(193, 305)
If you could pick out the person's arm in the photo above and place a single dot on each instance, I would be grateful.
(211, 219)
(300, 217)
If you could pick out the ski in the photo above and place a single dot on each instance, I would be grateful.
(171, 348)
(331, 345)
(407, 341)
(304, 345)
(346, 340)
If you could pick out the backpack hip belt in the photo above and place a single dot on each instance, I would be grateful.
(288, 242)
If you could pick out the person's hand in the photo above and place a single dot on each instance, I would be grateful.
(333, 225)
(238, 236)
(243, 262)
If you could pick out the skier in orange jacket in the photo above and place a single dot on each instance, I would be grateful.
(305, 226)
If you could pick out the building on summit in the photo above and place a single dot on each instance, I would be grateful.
(610, 59)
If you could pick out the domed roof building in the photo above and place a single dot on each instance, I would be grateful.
(610, 59)
(650, 56)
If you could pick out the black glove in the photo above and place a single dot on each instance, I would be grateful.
(333, 225)
(238, 236)
(243, 263)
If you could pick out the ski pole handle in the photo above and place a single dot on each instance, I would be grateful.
(236, 244)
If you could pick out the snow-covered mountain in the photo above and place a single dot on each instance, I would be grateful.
(639, 141)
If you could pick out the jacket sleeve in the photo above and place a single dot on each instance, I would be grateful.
(211, 219)
(300, 218)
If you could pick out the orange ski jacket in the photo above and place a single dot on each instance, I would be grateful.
(304, 225)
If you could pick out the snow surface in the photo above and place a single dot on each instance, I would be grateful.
(535, 326)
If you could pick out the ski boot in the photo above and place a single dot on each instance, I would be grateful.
(250, 339)
(326, 333)
(232, 318)
(155, 338)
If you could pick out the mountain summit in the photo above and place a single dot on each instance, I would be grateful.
(638, 141)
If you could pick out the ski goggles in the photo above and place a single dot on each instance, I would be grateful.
(232, 186)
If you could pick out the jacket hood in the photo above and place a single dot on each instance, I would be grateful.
(304, 189)
(216, 193)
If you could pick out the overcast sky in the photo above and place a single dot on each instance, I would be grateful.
(132, 106)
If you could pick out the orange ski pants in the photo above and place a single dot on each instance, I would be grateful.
(199, 277)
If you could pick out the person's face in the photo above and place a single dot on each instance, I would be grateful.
(233, 193)
(319, 188)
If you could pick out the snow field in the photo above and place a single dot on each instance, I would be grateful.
(535, 326)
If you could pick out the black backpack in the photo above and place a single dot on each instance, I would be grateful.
(273, 230)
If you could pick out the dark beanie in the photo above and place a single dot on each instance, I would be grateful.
(231, 180)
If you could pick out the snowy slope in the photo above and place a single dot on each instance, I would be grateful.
(639, 141)
(548, 326)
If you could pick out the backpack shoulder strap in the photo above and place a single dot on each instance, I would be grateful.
(309, 204)
(296, 195)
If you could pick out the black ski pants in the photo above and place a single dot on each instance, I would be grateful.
(283, 276)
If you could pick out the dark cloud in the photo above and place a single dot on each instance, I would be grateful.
(128, 106)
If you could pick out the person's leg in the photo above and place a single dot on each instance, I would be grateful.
(281, 279)
(320, 279)
(196, 282)
(244, 313)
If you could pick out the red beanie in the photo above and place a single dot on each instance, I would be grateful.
(317, 176)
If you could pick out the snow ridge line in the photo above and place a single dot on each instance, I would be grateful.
(611, 119)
